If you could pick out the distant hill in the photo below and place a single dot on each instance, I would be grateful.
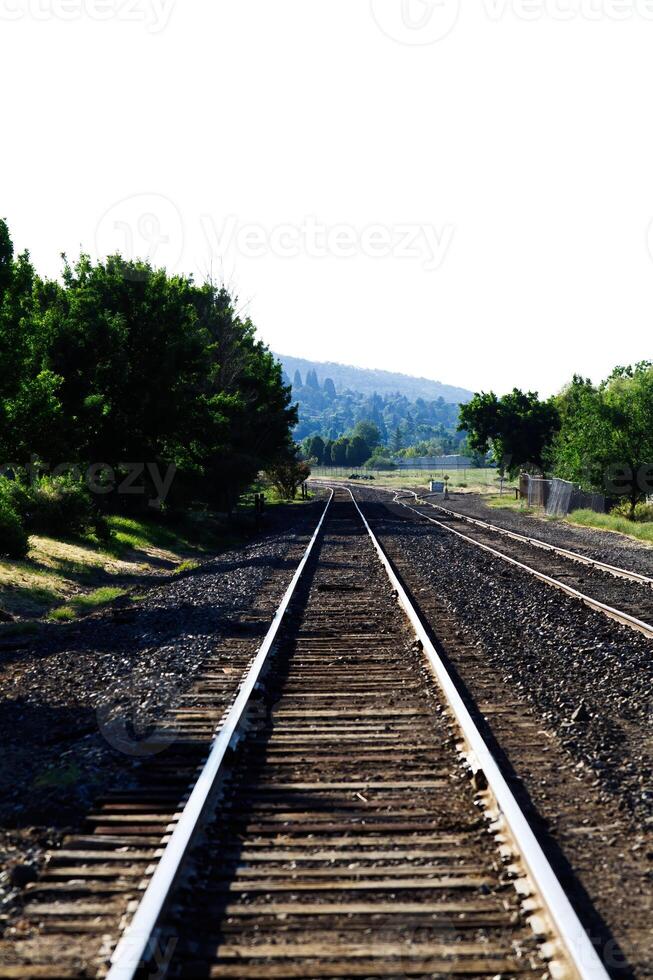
(367, 381)
(333, 398)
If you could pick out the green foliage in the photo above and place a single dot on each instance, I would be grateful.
(518, 427)
(58, 505)
(642, 512)
(315, 449)
(332, 413)
(380, 463)
(369, 382)
(286, 476)
(643, 531)
(606, 435)
(369, 432)
(122, 363)
(13, 537)
(357, 451)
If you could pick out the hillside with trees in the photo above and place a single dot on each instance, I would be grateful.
(368, 381)
(332, 412)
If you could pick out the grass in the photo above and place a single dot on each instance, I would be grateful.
(58, 776)
(508, 502)
(138, 535)
(272, 496)
(85, 603)
(478, 480)
(186, 566)
(613, 522)
(62, 579)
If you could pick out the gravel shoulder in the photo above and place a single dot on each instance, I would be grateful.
(606, 546)
(62, 689)
(545, 666)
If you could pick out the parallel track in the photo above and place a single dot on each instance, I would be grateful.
(576, 556)
(628, 600)
(348, 839)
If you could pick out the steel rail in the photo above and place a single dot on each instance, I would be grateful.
(615, 570)
(539, 543)
(136, 942)
(575, 947)
(617, 614)
(624, 618)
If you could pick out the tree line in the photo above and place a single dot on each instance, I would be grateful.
(134, 381)
(332, 414)
(597, 435)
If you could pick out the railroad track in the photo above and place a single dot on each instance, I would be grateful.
(618, 593)
(361, 827)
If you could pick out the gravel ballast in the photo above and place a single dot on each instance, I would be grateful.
(79, 701)
(566, 696)
(606, 546)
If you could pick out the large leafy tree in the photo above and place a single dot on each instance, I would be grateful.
(606, 435)
(30, 410)
(243, 413)
(518, 427)
(122, 364)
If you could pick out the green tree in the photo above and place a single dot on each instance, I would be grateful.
(339, 451)
(369, 432)
(329, 389)
(397, 440)
(518, 427)
(606, 435)
(287, 475)
(357, 451)
(316, 449)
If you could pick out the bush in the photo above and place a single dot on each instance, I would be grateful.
(13, 537)
(287, 476)
(57, 505)
(380, 463)
(643, 512)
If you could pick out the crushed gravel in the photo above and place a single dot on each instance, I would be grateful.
(62, 689)
(590, 678)
(605, 546)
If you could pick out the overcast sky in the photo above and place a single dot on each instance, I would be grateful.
(464, 193)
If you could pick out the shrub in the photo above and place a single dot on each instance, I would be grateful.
(380, 463)
(643, 512)
(13, 537)
(287, 476)
(58, 505)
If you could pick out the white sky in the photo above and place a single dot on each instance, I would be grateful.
(300, 148)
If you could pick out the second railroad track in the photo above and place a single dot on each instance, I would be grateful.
(348, 820)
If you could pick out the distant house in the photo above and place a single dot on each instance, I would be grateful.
(454, 462)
